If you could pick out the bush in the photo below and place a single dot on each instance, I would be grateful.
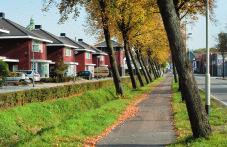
(4, 70)
(39, 95)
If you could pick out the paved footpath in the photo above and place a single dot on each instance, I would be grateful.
(152, 126)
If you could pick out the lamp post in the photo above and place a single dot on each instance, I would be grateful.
(33, 70)
(187, 35)
(207, 107)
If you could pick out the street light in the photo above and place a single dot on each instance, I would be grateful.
(207, 107)
(33, 70)
(187, 35)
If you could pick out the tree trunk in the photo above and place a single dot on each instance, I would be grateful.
(223, 66)
(128, 61)
(152, 68)
(157, 68)
(142, 67)
(136, 68)
(197, 114)
(174, 70)
(114, 68)
(146, 69)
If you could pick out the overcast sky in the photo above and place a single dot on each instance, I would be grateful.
(21, 11)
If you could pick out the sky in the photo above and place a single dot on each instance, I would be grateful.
(21, 11)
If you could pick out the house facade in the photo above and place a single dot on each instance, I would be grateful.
(60, 50)
(25, 50)
(119, 54)
(86, 55)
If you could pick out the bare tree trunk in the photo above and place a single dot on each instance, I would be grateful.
(142, 67)
(128, 61)
(174, 70)
(197, 114)
(114, 68)
(157, 68)
(152, 68)
(139, 75)
(146, 69)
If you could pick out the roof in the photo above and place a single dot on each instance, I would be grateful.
(103, 44)
(96, 51)
(80, 47)
(17, 31)
(56, 41)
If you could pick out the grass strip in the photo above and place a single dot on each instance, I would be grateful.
(65, 122)
(217, 119)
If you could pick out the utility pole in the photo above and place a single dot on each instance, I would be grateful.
(207, 107)
(33, 68)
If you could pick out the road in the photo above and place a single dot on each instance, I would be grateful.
(7, 89)
(218, 87)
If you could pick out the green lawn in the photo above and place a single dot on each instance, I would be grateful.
(65, 122)
(218, 121)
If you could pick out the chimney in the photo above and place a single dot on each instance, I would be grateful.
(75, 39)
(80, 40)
(2, 15)
(38, 26)
(62, 34)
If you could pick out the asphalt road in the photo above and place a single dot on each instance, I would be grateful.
(218, 87)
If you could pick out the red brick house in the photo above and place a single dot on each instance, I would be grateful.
(86, 55)
(26, 49)
(119, 54)
(59, 50)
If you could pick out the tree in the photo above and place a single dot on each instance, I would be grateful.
(128, 16)
(105, 23)
(222, 48)
(61, 69)
(197, 115)
(150, 39)
(4, 71)
(99, 18)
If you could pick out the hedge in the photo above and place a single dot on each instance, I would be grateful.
(39, 95)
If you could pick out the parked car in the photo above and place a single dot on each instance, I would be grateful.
(101, 72)
(17, 77)
(29, 74)
(85, 74)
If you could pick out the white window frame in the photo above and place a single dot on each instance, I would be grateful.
(88, 55)
(68, 52)
(38, 45)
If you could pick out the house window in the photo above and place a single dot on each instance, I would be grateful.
(37, 46)
(68, 52)
(88, 55)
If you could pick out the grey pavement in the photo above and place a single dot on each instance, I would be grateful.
(152, 126)
(218, 87)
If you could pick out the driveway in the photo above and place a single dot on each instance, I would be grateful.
(218, 87)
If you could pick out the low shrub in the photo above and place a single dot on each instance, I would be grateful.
(39, 95)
